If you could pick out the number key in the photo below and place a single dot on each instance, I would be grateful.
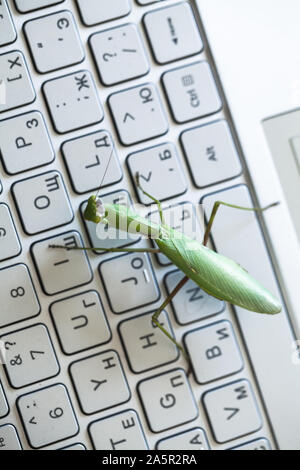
(47, 415)
(17, 294)
(129, 282)
(28, 362)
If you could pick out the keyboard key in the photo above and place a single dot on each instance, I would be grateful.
(24, 6)
(73, 101)
(9, 439)
(157, 166)
(16, 86)
(100, 382)
(258, 444)
(245, 244)
(25, 143)
(191, 304)
(92, 159)
(214, 352)
(145, 345)
(94, 12)
(105, 236)
(163, 397)
(147, 2)
(182, 217)
(61, 270)
(8, 32)
(138, 114)
(232, 411)
(9, 241)
(42, 202)
(54, 41)
(122, 431)
(192, 92)
(193, 439)
(78, 446)
(47, 415)
(129, 282)
(173, 33)
(17, 294)
(211, 154)
(80, 322)
(119, 54)
(4, 408)
(28, 362)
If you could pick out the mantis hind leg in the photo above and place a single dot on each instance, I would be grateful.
(216, 207)
(156, 315)
(138, 183)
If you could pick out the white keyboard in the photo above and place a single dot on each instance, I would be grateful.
(84, 367)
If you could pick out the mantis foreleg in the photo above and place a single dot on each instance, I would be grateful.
(152, 198)
(217, 204)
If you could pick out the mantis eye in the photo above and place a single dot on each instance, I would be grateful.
(94, 210)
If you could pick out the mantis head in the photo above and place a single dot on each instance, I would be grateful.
(94, 211)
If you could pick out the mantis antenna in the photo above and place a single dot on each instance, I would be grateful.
(107, 166)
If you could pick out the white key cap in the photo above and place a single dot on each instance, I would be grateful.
(80, 322)
(54, 41)
(163, 396)
(129, 282)
(19, 300)
(192, 92)
(88, 157)
(122, 431)
(47, 415)
(42, 202)
(78, 446)
(16, 88)
(138, 114)
(25, 143)
(258, 444)
(214, 352)
(119, 54)
(4, 408)
(173, 33)
(232, 411)
(93, 12)
(73, 101)
(9, 241)
(100, 382)
(145, 345)
(182, 217)
(194, 439)
(156, 165)
(60, 270)
(191, 304)
(9, 439)
(23, 6)
(7, 28)
(108, 237)
(29, 362)
(211, 154)
(243, 242)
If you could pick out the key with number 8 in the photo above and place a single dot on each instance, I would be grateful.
(17, 294)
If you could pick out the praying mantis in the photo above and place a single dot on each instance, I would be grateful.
(214, 273)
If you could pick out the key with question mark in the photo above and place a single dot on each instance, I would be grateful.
(119, 54)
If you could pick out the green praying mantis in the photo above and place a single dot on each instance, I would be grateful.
(214, 273)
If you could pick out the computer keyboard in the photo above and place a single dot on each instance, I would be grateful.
(130, 83)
